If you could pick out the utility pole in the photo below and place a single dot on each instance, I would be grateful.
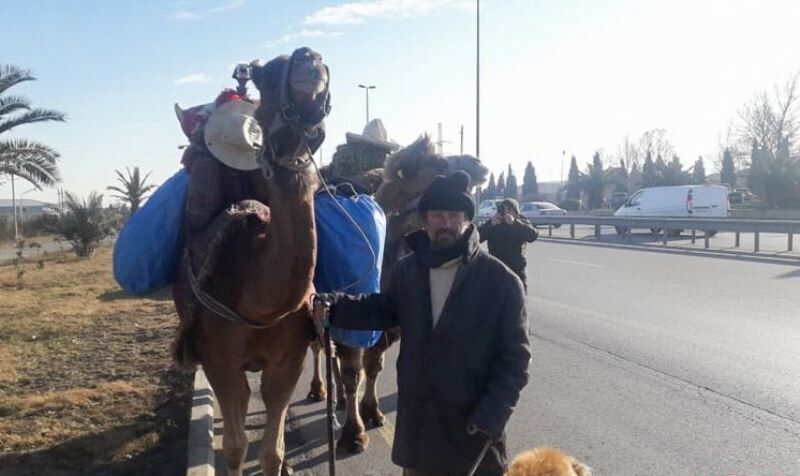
(563, 152)
(366, 90)
(461, 150)
(440, 142)
(14, 206)
(478, 82)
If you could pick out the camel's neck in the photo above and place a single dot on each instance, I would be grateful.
(285, 256)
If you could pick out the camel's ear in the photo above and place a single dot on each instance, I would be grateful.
(257, 72)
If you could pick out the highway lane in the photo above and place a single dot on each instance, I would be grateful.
(645, 363)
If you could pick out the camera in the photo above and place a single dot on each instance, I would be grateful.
(501, 209)
(242, 72)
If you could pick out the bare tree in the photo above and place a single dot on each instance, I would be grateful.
(628, 152)
(657, 143)
(771, 121)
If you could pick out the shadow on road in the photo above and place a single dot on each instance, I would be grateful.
(790, 274)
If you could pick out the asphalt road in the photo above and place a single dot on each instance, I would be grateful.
(645, 364)
(770, 244)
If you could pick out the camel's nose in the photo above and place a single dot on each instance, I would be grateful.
(309, 74)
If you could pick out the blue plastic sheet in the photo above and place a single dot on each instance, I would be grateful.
(148, 248)
(347, 260)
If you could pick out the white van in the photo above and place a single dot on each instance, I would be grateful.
(684, 201)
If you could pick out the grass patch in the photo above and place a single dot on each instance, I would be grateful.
(86, 381)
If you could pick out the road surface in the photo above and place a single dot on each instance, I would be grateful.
(645, 364)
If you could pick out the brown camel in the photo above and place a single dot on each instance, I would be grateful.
(407, 174)
(258, 262)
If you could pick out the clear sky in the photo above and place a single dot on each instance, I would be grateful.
(573, 75)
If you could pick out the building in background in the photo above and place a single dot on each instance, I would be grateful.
(27, 209)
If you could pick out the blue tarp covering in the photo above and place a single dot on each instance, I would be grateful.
(344, 260)
(148, 249)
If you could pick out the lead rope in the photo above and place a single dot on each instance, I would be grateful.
(330, 404)
(478, 461)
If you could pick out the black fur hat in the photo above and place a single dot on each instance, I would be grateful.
(449, 193)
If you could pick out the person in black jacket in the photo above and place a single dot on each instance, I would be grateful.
(464, 352)
(507, 233)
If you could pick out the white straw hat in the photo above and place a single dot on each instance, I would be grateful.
(233, 135)
(375, 135)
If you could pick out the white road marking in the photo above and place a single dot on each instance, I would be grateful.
(579, 263)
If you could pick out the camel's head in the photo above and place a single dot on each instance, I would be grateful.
(478, 173)
(294, 102)
(414, 167)
(409, 171)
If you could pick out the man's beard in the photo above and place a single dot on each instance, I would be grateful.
(444, 239)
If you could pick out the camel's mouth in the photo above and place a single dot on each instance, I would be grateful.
(478, 173)
(295, 100)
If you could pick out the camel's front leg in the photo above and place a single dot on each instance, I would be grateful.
(278, 381)
(354, 439)
(318, 392)
(233, 394)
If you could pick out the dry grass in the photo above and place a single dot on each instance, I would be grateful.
(86, 384)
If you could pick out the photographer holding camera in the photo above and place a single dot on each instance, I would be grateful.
(507, 233)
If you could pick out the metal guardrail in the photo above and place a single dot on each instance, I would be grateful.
(708, 226)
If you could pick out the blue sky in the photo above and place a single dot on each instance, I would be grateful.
(556, 75)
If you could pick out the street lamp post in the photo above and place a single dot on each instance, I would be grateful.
(561, 188)
(366, 90)
(478, 81)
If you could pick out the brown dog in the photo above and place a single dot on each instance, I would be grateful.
(547, 462)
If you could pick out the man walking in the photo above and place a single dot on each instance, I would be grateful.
(464, 352)
(507, 233)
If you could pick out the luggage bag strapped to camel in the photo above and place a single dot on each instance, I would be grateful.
(148, 248)
(351, 229)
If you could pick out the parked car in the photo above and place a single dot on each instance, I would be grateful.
(534, 210)
(703, 201)
(740, 196)
(487, 209)
(618, 199)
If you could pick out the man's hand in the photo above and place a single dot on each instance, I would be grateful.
(497, 219)
(320, 313)
(473, 430)
(508, 218)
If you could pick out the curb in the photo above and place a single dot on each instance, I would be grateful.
(200, 447)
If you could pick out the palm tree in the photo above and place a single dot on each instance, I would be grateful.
(133, 189)
(30, 160)
(84, 223)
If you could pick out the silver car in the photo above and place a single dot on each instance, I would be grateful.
(534, 210)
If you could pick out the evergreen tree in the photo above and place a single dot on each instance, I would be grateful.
(635, 177)
(594, 182)
(573, 180)
(501, 185)
(727, 174)
(621, 177)
(699, 172)
(491, 188)
(530, 186)
(511, 190)
(774, 176)
(650, 175)
(673, 173)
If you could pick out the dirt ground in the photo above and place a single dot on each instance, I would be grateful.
(86, 382)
